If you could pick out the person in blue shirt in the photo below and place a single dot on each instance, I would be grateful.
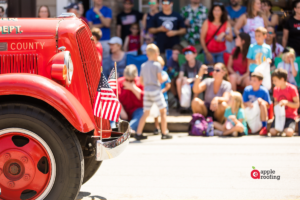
(259, 52)
(100, 17)
(235, 10)
(257, 92)
(165, 87)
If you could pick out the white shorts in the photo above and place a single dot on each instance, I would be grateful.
(154, 97)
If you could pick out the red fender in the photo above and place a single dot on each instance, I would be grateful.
(50, 92)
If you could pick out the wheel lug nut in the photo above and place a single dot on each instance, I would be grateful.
(26, 177)
(11, 184)
(7, 156)
(24, 159)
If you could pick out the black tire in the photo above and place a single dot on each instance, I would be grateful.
(61, 139)
(91, 166)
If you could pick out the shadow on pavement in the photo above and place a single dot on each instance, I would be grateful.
(86, 196)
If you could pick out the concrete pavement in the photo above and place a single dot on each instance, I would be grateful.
(199, 168)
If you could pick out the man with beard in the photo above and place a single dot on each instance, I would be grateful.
(235, 10)
(194, 15)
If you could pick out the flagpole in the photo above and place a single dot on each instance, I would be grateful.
(117, 88)
(101, 118)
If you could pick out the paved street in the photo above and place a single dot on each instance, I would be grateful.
(199, 168)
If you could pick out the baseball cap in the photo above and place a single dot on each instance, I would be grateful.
(128, 1)
(189, 48)
(72, 5)
(115, 40)
(257, 74)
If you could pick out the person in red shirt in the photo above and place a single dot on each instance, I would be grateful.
(285, 94)
(133, 41)
(97, 35)
(131, 93)
(238, 64)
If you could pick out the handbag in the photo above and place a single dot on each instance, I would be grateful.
(201, 51)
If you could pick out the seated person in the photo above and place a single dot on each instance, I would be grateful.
(288, 64)
(188, 70)
(235, 123)
(131, 96)
(254, 92)
(172, 63)
(237, 64)
(165, 86)
(285, 94)
(148, 39)
(217, 92)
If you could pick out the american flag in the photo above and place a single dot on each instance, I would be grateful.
(112, 80)
(106, 103)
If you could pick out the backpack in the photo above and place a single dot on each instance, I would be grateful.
(198, 125)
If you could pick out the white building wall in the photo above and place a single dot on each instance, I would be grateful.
(60, 4)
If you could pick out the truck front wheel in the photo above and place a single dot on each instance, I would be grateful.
(40, 155)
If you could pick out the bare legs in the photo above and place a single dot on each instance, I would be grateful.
(142, 122)
(288, 131)
(235, 81)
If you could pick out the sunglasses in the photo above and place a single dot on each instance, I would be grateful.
(270, 33)
(217, 70)
(130, 81)
(152, 3)
(166, 2)
(188, 53)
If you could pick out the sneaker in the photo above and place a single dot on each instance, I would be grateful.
(157, 132)
(166, 136)
(263, 131)
(140, 137)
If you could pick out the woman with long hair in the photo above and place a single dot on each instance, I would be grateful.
(238, 64)
(215, 30)
(276, 48)
(273, 19)
(291, 31)
(44, 12)
(217, 91)
(250, 21)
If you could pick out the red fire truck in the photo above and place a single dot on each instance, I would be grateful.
(50, 141)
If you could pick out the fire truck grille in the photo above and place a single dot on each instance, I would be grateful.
(19, 63)
(90, 62)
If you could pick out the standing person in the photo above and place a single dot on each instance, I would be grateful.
(259, 52)
(44, 12)
(131, 94)
(97, 34)
(285, 94)
(126, 18)
(250, 21)
(81, 12)
(276, 48)
(234, 10)
(238, 64)
(132, 41)
(217, 93)
(100, 17)
(75, 8)
(167, 26)
(273, 19)
(257, 92)
(151, 78)
(214, 32)
(291, 30)
(148, 17)
(194, 15)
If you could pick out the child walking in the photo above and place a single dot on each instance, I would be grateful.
(288, 64)
(133, 41)
(151, 78)
(165, 87)
(235, 123)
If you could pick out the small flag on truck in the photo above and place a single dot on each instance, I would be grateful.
(112, 80)
(106, 103)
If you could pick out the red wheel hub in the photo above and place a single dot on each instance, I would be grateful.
(20, 166)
